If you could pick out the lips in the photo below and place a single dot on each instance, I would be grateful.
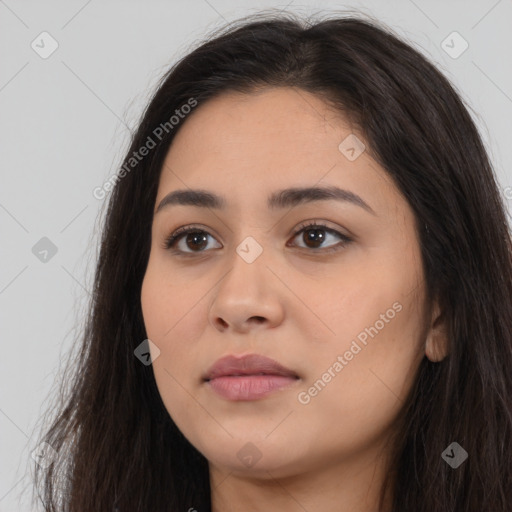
(252, 364)
(251, 377)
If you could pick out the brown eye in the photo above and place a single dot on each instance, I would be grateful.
(192, 240)
(314, 236)
(196, 240)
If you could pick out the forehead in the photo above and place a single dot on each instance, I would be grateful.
(248, 145)
(277, 119)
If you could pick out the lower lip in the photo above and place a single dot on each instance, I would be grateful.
(249, 387)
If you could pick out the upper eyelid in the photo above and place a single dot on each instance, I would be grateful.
(180, 232)
(302, 225)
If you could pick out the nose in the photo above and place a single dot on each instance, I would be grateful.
(248, 297)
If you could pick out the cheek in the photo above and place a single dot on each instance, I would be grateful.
(169, 307)
(171, 317)
(377, 320)
(379, 343)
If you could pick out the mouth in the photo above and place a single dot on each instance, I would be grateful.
(250, 377)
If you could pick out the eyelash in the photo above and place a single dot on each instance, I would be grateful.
(174, 237)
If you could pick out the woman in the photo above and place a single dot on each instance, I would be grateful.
(303, 298)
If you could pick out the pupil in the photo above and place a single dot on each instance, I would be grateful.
(317, 240)
(194, 236)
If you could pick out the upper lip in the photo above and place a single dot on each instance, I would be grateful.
(252, 364)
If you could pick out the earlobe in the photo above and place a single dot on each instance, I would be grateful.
(436, 343)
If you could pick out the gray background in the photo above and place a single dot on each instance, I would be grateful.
(64, 127)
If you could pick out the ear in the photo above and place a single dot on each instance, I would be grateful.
(436, 344)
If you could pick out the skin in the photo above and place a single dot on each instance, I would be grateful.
(294, 303)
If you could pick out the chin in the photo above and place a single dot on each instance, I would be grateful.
(249, 458)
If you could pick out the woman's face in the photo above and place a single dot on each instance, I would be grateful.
(341, 306)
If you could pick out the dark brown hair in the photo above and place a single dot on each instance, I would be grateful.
(118, 448)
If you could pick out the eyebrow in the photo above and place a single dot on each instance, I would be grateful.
(280, 199)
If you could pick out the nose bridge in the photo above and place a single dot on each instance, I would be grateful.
(246, 289)
(251, 236)
(247, 265)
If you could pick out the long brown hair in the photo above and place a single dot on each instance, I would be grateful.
(118, 448)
